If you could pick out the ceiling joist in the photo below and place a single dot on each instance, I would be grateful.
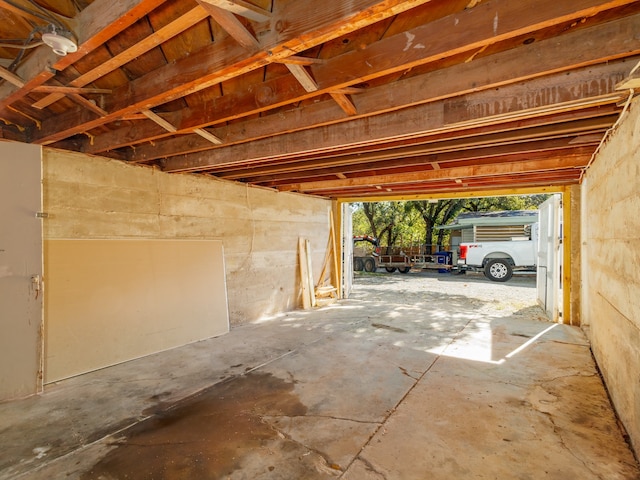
(580, 48)
(339, 98)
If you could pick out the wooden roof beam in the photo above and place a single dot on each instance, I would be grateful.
(579, 48)
(474, 171)
(11, 77)
(303, 76)
(576, 122)
(480, 156)
(154, 117)
(447, 145)
(307, 26)
(240, 7)
(551, 94)
(230, 23)
(285, 171)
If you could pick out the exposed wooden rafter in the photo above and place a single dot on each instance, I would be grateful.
(334, 98)
(552, 94)
(582, 47)
(239, 7)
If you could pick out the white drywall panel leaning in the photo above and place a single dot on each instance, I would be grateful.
(109, 301)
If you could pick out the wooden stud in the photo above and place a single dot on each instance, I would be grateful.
(304, 274)
(67, 90)
(11, 77)
(230, 23)
(344, 103)
(303, 76)
(567, 314)
(312, 293)
(335, 271)
(242, 8)
(209, 136)
(154, 117)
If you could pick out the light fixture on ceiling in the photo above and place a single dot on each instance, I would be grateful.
(61, 41)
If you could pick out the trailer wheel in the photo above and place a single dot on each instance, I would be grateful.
(390, 269)
(498, 270)
(404, 269)
(357, 264)
(369, 265)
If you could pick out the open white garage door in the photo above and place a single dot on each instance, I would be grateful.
(549, 279)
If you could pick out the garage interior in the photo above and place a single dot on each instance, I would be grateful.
(161, 161)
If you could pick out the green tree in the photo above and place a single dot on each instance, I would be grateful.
(408, 223)
(385, 220)
(434, 214)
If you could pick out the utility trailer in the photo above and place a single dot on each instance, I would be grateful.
(398, 259)
(371, 261)
(391, 263)
(439, 260)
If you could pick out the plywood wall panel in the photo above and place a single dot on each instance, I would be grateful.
(109, 301)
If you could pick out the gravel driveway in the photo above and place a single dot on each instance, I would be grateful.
(518, 295)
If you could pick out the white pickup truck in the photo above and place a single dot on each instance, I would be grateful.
(499, 259)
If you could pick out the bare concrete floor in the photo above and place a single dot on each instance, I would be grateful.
(418, 376)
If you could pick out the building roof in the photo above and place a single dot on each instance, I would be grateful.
(503, 217)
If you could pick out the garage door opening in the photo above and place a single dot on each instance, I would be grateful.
(485, 239)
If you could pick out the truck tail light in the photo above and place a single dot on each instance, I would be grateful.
(463, 252)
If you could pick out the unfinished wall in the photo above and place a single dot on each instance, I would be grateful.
(97, 198)
(610, 261)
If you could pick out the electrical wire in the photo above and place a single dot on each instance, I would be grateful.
(53, 18)
(21, 47)
(16, 60)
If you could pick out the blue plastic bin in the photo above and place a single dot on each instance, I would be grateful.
(445, 258)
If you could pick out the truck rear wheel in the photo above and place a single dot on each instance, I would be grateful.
(498, 270)
(390, 269)
(369, 265)
(357, 264)
(404, 269)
